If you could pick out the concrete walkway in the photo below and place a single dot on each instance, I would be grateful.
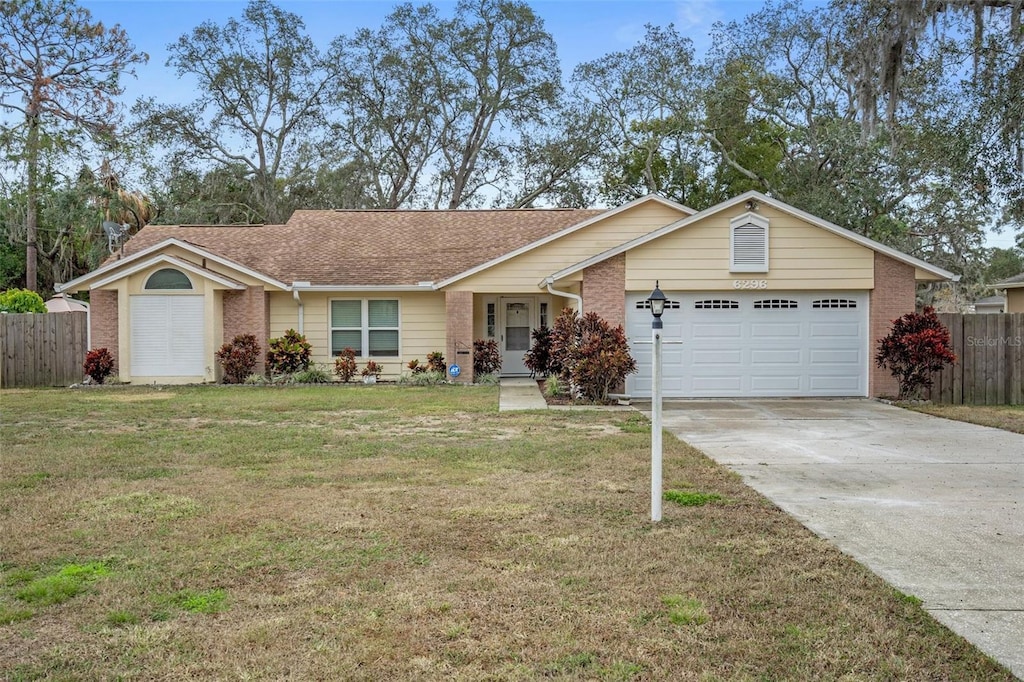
(520, 394)
(935, 507)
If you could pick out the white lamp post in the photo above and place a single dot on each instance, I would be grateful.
(657, 301)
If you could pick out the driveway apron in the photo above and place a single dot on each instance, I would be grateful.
(935, 507)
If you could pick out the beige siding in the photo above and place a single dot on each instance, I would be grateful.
(523, 273)
(421, 324)
(800, 256)
(1015, 300)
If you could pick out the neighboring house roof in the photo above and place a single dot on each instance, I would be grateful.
(991, 300)
(1014, 282)
(754, 196)
(369, 247)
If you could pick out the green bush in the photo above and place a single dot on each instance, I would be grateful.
(21, 301)
(313, 375)
(99, 363)
(289, 353)
(239, 358)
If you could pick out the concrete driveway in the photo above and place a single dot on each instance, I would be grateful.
(934, 507)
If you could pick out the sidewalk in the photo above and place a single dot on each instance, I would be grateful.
(520, 394)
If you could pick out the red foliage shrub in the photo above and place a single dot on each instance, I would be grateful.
(589, 354)
(239, 358)
(486, 357)
(538, 358)
(917, 346)
(345, 365)
(99, 363)
(289, 353)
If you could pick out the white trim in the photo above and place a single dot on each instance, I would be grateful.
(561, 233)
(176, 262)
(355, 288)
(170, 241)
(774, 203)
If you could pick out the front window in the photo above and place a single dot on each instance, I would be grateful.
(367, 326)
(168, 278)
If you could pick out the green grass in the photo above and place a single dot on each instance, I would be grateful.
(688, 498)
(411, 532)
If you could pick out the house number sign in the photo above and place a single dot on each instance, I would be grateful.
(750, 284)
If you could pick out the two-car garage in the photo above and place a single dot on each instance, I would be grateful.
(754, 343)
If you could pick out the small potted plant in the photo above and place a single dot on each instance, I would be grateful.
(371, 373)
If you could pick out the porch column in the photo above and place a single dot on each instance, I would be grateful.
(247, 312)
(894, 295)
(604, 290)
(459, 333)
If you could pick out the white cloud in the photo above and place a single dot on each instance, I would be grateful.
(697, 14)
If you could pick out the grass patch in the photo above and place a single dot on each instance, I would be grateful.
(685, 610)
(414, 533)
(1006, 417)
(689, 498)
(69, 581)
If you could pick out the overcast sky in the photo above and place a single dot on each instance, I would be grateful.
(583, 29)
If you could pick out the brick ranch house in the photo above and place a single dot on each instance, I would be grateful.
(765, 299)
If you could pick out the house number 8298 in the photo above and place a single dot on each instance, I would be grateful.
(750, 284)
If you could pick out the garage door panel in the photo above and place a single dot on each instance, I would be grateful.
(702, 331)
(760, 357)
(775, 330)
(795, 349)
(718, 357)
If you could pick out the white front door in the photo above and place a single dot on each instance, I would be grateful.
(167, 336)
(516, 326)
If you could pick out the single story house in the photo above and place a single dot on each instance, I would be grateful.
(765, 299)
(1014, 293)
(990, 305)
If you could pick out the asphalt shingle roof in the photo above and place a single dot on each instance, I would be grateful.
(1016, 279)
(373, 248)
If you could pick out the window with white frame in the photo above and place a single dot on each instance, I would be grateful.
(367, 326)
(748, 242)
(544, 315)
(491, 319)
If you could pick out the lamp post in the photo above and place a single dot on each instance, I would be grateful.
(657, 300)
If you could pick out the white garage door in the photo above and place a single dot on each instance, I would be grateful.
(731, 344)
(167, 336)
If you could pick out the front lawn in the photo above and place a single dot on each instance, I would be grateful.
(412, 533)
(1006, 417)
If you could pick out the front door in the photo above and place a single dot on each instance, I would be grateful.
(516, 325)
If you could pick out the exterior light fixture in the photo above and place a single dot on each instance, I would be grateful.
(657, 300)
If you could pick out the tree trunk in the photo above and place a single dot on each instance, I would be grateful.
(32, 208)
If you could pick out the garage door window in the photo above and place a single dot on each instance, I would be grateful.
(825, 303)
(716, 304)
(775, 304)
(168, 278)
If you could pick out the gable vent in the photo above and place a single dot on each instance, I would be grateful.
(749, 243)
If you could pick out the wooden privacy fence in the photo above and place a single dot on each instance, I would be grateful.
(990, 361)
(42, 349)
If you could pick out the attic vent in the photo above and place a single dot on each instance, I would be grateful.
(749, 242)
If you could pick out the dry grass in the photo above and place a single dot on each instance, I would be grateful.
(1006, 417)
(403, 533)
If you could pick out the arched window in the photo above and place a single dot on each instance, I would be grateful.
(168, 278)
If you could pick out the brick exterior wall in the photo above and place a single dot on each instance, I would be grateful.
(459, 332)
(103, 323)
(247, 312)
(894, 295)
(604, 290)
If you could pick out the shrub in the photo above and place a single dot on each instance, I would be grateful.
(564, 339)
(538, 358)
(917, 345)
(21, 301)
(415, 367)
(425, 378)
(289, 353)
(435, 362)
(602, 358)
(372, 369)
(99, 363)
(486, 357)
(345, 365)
(553, 387)
(239, 358)
(312, 375)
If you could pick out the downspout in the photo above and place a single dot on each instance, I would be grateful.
(566, 294)
(302, 311)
